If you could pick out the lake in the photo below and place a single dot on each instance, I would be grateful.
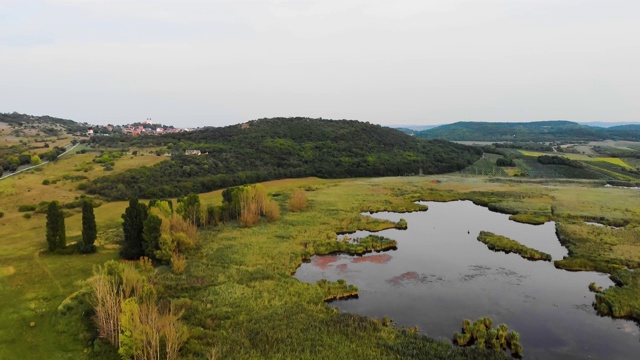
(441, 274)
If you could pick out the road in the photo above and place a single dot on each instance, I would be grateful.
(35, 166)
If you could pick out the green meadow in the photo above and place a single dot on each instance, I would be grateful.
(240, 299)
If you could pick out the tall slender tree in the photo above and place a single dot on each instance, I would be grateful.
(89, 229)
(56, 235)
(151, 235)
(133, 226)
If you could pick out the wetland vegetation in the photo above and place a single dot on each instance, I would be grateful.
(233, 289)
(481, 334)
(506, 245)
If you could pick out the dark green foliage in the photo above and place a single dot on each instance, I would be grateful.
(278, 148)
(1, 214)
(89, 229)
(151, 235)
(558, 160)
(505, 162)
(24, 208)
(53, 154)
(531, 146)
(506, 245)
(55, 233)
(133, 227)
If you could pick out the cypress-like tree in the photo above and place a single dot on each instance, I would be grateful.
(89, 229)
(133, 226)
(56, 235)
(151, 235)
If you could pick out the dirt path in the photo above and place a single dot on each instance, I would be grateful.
(36, 257)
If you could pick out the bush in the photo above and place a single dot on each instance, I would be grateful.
(23, 208)
(1, 214)
(505, 162)
(27, 215)
(46, 182)
(298, 200)
(178, 264)
(272, 211)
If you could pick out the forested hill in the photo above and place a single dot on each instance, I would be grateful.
(538, 131)
(278, 148)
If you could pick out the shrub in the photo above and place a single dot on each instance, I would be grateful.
(178, 264)
(272, 211)
(46, 182)
(505, 162)
(298, 200)
(23, 208)
(27, 215)
(1, 214)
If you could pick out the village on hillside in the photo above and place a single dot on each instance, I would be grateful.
(147, 127)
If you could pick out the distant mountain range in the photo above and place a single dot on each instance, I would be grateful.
(538, 131)
(604, 124)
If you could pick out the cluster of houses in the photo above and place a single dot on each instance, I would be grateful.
(146, 127)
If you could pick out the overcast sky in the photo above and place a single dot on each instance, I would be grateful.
(197, 63)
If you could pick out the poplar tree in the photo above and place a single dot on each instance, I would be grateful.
(151, 235)
(133, 226)
(89, 230)
(56, 235)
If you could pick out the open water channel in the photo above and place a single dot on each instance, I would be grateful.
(440, 274)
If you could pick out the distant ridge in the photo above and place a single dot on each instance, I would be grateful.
(538, 131)
(604, 124)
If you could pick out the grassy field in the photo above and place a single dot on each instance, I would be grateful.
(33, 283)
(581, 157)
(243, 301)
(527, 165)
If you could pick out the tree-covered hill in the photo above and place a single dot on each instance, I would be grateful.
(277, 148)
(538, 131)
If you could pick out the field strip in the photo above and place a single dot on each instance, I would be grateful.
(36, 257)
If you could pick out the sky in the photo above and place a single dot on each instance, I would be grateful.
(220, 62)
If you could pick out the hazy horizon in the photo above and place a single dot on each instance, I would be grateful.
(217, 63)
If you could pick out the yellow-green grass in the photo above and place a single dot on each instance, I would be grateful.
(580, 157)
(244, 302)
(622, 300)
(33, 283)
(243, 284)
(27, 188)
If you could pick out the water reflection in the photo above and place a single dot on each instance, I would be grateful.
(441, 274)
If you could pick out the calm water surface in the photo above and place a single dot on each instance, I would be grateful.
(441, 274)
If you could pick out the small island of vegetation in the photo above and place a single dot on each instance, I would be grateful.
(506, 245)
